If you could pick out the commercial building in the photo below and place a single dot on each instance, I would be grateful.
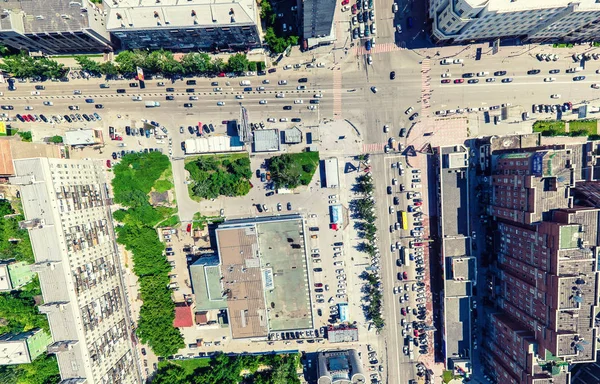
(332, 174)
(14, 274)
(342, 334)
(318, 27)
(340, 367)
(266, 140)
(213, 144)
(67, 211)
(257, 264)
(54, 26)
(463, 21)
(24, 347)
(81, 137)
(458, 266)
(181, 26)
(547, 263)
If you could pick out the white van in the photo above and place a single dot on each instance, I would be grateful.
(245, 82)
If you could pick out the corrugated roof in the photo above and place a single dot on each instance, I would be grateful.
(266, 140)
(6, 160)
(213, 144)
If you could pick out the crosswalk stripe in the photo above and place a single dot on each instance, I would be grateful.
(373, 148)
(377, 48)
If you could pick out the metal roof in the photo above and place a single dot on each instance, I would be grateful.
(266, 140)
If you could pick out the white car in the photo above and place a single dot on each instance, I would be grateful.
(311, 107)
(399, 28)
(298, 101)
(35, 93)
(220, 103)
(282, 82)
(239, 96)
(136, 98)
(409, 110)
(369, 59)
(28, 108)
(271, 120)
(458, 61)
(283, 119)
(193, 97)
(482, 74)
(280, 95)
(262, 102)
(386, 128)
(289, 66)
(218, 89)
(318, 95)
(555, 96)
(391, 209)
(48, 103)
(595, 86)
(446, 74)
(549, 79)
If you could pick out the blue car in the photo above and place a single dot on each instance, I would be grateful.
(89, 101)
(368, 45)
(147, 133)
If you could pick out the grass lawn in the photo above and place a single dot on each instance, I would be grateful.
(231, 156)
(293, 169)
(550, 127)
(587, 126)
(172, 221)
(189, 365)
(307, 158)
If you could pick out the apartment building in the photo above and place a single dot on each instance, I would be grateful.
(66, 207)
(54, 26)
(179, 26)
(463, 21)
(547, 264)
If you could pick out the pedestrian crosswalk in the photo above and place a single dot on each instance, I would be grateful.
(373, 148)
(377, 48)
(337, 94)
(425, 86)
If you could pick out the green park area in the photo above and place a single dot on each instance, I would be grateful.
(291, 170)
(139, 187)
(226, 369)
(583, 128)
(549, 127)
(559, 128)
(218, 175)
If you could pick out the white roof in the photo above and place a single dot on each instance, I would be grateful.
(332, 176)
(523, 5)
(210, 145)
(168, 14)
(79, 137)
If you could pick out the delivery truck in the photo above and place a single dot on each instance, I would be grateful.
(152, 104)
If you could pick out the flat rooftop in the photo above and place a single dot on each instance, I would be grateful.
(454, 202)
(168, 14)
(46, 16)
(242, 282)
(457, 326)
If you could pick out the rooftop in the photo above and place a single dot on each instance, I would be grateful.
(47, 16)
(183, 316)
(266, 140)
(457, 327)
(513, 6)
(80, 137)
(212, 144)
(206, 281)
(342, 334)
(168, 14)
(292, 135)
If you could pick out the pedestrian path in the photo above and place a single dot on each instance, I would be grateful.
(377, 48)
(337, 94)
(425, 86)
(373, 148)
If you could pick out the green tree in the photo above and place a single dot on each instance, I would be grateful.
(170, 374)
(25, 136)
(126, 61)
(238, 63)
(218, 65)
(252, 66)
(56, 139)
(196, 63)
(88, 65)
(108, 68)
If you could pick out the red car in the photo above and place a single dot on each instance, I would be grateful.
(108, 163)
(417, 244)
(318, 285)
(445, 81)
(200, 128)
(345, 2)
(418, 204)
(416, 333)
(31, 118)
(222, 74)
(354, 9)
(189, 227)
(25, 117)
(459, 81)
(405, 275)
(403, 311)
(118, 138)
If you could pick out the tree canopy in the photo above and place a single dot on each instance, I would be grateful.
(135, 177)
(24, 66)
(14, 241)
(293, 169)
(215, 176)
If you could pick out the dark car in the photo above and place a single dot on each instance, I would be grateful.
(183, 146)
(44, 119)
(190, 90)
(289, 206)
(191, 129)
(263, 177)
(214, 84)
(507, 80)
(114, 155)
(8, 107)
(392, 75)
(287, 107)
(403, 132)
(121, 90)
(86, 117)
(533, 71)
(302, 80)
(413, 116)
(128, 130)
(211, 127)
(467, 75)
(499, 73)
(169, 97)
(473, 81)
(258, 173)
(248, 89)
(270, 193)
(578, 78)
(190, 82)
(409, 22)
(296, 120)
(554, 71)
(318, 269)
(141, 131)
(67, 118)
(360, 17)
(99, 106)
(170, 89)
(396, 200)
(21, 119)
(188, 105)
(89, 101)
(133, 85)
(315, 101)
(40, 87)
(389, 190)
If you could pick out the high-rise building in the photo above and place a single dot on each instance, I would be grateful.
(54, 26)
(180, 26)
(67, 211)
(547, 265)
(318, 26)
(462, 21)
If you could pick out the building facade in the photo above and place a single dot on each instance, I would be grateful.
(546, 272)
(461, 21)
(195, 24)
(318, 27)
(54, 26)
(67, 211)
